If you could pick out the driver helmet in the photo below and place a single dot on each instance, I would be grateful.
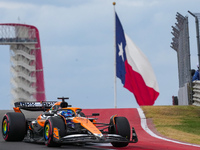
(67, 113)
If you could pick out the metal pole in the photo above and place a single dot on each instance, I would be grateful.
(190, 77)
(115, 70)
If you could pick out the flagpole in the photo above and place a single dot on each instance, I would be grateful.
(115, 80)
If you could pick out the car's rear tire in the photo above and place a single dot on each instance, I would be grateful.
(13, 126)
(121, 127)
(50, 125)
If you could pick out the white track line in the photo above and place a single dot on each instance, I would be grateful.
(145, 127)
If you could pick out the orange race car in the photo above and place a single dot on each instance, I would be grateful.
(61, 123)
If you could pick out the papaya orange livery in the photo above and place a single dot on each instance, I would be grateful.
(61, 123)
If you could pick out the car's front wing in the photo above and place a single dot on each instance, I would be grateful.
(86, 138)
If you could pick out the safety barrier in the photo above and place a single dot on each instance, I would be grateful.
(196, 93)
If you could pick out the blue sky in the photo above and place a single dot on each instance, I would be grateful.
(77, 39)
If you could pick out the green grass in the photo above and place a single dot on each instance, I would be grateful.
(189, 125)
(176, 122)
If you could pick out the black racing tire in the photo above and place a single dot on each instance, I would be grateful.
(50, 124)
(121, 127)
(13, 126)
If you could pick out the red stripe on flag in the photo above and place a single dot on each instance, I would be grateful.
(134, 83)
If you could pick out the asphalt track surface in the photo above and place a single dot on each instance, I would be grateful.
(145, 140)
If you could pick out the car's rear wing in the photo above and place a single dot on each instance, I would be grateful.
(35, 106)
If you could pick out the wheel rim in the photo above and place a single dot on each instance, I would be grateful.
(5, 127)
(46, 132)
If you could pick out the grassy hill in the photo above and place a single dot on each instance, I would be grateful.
(177, 122)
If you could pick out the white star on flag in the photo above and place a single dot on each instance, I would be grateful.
(121, 51)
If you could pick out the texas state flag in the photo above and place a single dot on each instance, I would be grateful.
(134, 69)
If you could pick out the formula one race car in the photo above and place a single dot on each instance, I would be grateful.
(61, 123)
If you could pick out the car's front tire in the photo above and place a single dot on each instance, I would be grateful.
(121, 127)
(50, 125)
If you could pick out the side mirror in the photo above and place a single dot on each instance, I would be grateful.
(95, 114)
(78, 111)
